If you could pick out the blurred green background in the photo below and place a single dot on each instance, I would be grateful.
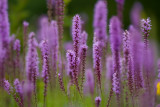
(31, 10)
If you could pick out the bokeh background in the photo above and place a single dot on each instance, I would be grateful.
(32, 10)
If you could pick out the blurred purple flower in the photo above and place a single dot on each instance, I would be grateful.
(32, 62)
(45, 68)
(135, 14)
(97, 61)
(100, 20)
(97, 101)
(18, 86)
(89, 84)
(4, 24)
(120, 1)
(115, 39)
(32, 58)
(17, 45)
(83, 54)
(84, 37)
(137, 57)
(7, 86)
(70, 55)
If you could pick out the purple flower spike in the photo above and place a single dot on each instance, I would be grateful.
(4, 23)
(16, 47)
(25, 38)
(159, 69)
(32, 68)
(128, 59)
(2, 59)
(19, 90)
(97, 101)
(135, 14)
(52, 37)
(18, 86)
(76, 32)
(120, 2)
(60, 17)
(70, 63)
(83, 54)
(61, 83)
(7, 86)
(97, 61)
(45, 70)
(109, 67)
(137, 55)
(146, 27)
(115, 33)
(115, 36)
(100, 20)
(116, 85)
(84, 36)
(32, 58)
(89, 85)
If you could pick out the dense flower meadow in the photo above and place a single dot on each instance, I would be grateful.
(119, 70)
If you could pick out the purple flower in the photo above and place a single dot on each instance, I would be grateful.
(2, 59)
(116, 84)
(43, 28)
(70, 62)
(61, 83)
(120, 1)
(100, 20)
(135, 14)
(4, 23)
(19, 90)
(18, 86)
(32, 58)
(84, 36)
(7, 86)
(76, 32)
(27, 90)
(25, 38)
(97, 61)
(97, 101)
(89, 84)
(128, 59)
(32, 61)
(45, 68)
(115, 34)
(146, 27)
(137, 55)
(158, 68)
(120, 4)
(17, 45)
(52, 37)
(25, 24)
(60, 17)
(109, 67)
(83, 54)
(73, 64)
(115, 37)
